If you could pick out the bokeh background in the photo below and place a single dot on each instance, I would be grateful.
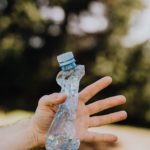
(110, 37)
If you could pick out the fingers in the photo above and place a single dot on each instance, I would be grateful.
(94, 88)
(97, 137)
(107, 119)
(52, 99)
(105, 104)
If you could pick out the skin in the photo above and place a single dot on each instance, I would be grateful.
(31, 133)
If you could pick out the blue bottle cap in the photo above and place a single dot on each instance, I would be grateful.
(66, 61)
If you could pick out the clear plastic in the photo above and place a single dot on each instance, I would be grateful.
(62, 132)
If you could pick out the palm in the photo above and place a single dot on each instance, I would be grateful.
(82, 120)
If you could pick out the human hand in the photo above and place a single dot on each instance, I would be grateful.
(47, 108)
(84, 121)
(44, 115)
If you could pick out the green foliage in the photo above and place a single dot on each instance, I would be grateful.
(30, 42)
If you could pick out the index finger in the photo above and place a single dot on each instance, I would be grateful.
(94, 88)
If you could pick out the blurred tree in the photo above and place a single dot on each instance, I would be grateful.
(33, 33)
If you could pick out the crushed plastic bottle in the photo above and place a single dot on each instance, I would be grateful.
(62, 132)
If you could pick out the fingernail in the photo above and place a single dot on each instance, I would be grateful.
(109, 78)
(124, 114)
(123, 98)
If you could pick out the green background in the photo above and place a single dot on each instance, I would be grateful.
(29, 44)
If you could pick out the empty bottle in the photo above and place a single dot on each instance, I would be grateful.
(62, 132)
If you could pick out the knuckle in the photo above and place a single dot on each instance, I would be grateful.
(109, 103)
(104, 138)
(111, 119)
(89, 110)
(42, 99)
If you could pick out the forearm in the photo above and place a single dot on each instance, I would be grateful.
(18, 136)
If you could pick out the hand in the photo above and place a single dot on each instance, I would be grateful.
(84, 121)
(47, 108)
(44, 116)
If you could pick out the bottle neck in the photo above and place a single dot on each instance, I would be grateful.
(68, 66)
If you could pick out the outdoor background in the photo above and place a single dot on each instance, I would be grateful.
(110, 37)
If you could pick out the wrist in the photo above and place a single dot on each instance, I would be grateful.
(28, 135)
(20, 136)
(37, 135)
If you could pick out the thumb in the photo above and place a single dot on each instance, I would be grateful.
(53, 99)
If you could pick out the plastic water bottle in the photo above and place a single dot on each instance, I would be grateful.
(62, 132)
